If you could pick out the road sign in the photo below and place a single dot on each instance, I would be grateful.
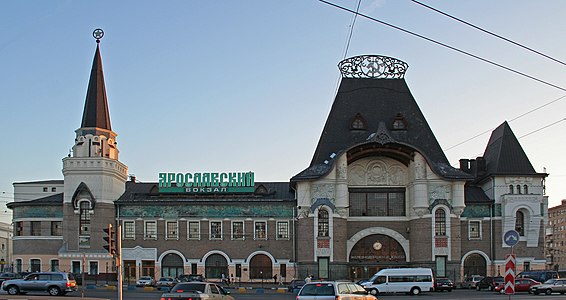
(509, 274)
(511, 238)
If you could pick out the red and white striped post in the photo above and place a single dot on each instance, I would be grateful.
(509, 274)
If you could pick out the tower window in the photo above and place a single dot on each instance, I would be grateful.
(520, 223)
(511, 189)
(440, 222)
(358, 123)
(323, 223)
(399, 123)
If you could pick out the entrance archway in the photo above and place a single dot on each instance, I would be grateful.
(375, 252)
(475, 264)
(261, 267)
(215, 266)
(171, 265)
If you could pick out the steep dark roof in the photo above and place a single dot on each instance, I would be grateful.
(56, 199)
(504, 155)
(148, 193)
(377, 101)
(474, 194)
(96, 114)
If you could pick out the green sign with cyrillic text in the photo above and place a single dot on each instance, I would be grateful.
(207, 183)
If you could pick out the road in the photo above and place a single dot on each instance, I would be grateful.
(253, 295)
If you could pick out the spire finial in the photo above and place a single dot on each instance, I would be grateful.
(98, 34)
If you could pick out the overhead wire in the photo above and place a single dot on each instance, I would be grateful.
(446, 46)
(489, 32)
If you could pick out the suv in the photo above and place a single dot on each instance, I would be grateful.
(471, 281)
(489, 283)
(55, 283)
(331, 290)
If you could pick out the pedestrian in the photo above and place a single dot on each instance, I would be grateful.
(275, 279)
(308, 279)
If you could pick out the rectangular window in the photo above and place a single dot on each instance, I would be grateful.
(35, 265)
(215, 230)
(35, 228)
(260, 230)
(441, 266)
(150, 230)
(193, 230)
(53, 189)
(129, 230)
(54, 265)
(93, 268)
(380, 202)
(323, 271)
(172, 230)
(19, 229)
(76, 267)
(237, 230)
(474, 230)
(19, 265)
(283, 230)
(56, 228)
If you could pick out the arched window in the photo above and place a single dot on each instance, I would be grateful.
(518, 188)
(323, 223)
(511, 189)
(525, 189)
(520, 223)
(440, 222)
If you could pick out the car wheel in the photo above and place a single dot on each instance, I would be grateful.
(536, 292)
(54, 291)
(449, 290)
(489, 288)
(548, 292)
(477, 288)
(13, 290)
(374, 292)
(415, 291)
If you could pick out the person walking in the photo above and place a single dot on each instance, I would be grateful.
(275, 279)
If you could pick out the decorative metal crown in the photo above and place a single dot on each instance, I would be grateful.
(372, 66)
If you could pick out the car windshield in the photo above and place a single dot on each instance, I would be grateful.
(188, 287)
(318, 289)
(550, 281)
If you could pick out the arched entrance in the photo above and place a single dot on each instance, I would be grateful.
(261, 267)
(215, 266)
(475, 264)
(375, 252)
(171, 265)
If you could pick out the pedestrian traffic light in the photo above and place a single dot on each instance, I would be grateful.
(110, 240)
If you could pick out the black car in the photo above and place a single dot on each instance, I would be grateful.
(295, 284)
(190, 278)
(489, 283)
(443, 284)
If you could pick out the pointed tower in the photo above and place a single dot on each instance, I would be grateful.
(93, 176)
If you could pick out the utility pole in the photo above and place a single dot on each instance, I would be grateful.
(118, 258)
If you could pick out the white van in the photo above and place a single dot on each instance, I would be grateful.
(402, 280)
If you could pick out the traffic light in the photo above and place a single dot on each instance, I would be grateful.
(110, 239)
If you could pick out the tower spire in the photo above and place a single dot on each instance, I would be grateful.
(96, 114)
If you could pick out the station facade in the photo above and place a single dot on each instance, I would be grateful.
(379, 193)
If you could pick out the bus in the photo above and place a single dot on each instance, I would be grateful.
(403, 280)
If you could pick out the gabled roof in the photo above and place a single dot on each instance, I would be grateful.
(378, 101)
(96, 114)
(504, 155)
(474, 194)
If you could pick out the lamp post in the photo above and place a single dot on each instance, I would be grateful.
(261, 275)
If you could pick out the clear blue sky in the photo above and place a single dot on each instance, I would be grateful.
(205, 86)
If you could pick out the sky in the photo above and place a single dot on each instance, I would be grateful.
(213, 86)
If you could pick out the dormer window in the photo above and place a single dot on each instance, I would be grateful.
(358, 123)
(399, 123)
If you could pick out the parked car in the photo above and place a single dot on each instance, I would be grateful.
(489, 283)
(331, 290)
(550, 286)
(443, 284)
(540, 276)
(471, 281)
(145, 281)
(295, 284)
(197, 290)
(165, 282)
(190, 277)
(8, 276)
(55, 283)
(521, 285)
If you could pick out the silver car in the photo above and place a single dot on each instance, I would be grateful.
(331, 290)
(550, 286)
(55, 283)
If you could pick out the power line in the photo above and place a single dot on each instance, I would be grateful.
(446, 46)
(544, 127)
(352, 28)
(517, 117)
(489, 32)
